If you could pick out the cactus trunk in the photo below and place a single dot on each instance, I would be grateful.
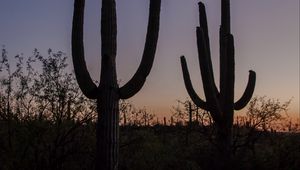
(223, 143)
(108, 132)
(108, 116)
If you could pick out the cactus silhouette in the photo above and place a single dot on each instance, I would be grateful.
(108, 93)
(220, 103)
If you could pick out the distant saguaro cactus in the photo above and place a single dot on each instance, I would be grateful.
(108, 93)
(220, 104)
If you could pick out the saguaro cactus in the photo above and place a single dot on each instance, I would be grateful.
(220, 103)
(108, 93)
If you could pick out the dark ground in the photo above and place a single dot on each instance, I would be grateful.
(43, 145)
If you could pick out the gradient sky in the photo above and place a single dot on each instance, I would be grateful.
(266, 39)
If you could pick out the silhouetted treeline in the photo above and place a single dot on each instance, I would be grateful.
(43, 145)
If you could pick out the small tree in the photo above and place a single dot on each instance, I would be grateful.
(263, 115)
(141, 117)
(126, 109)
(42, 111)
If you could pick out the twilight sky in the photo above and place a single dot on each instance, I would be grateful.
(266, 40)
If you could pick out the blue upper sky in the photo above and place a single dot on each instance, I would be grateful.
(266, 40)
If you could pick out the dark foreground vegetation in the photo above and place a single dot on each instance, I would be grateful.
(42, 144)
(47, 124)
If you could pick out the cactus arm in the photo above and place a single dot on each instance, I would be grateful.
(139, 78)
(206, 71)
(228, 98)
(210, 90)
(223, 65)
(230, 67)
(242, 102)
(83, 77)
(204, 27)
(189, 87)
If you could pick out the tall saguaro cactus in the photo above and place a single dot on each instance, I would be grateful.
(108, 93)
(220, 103)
